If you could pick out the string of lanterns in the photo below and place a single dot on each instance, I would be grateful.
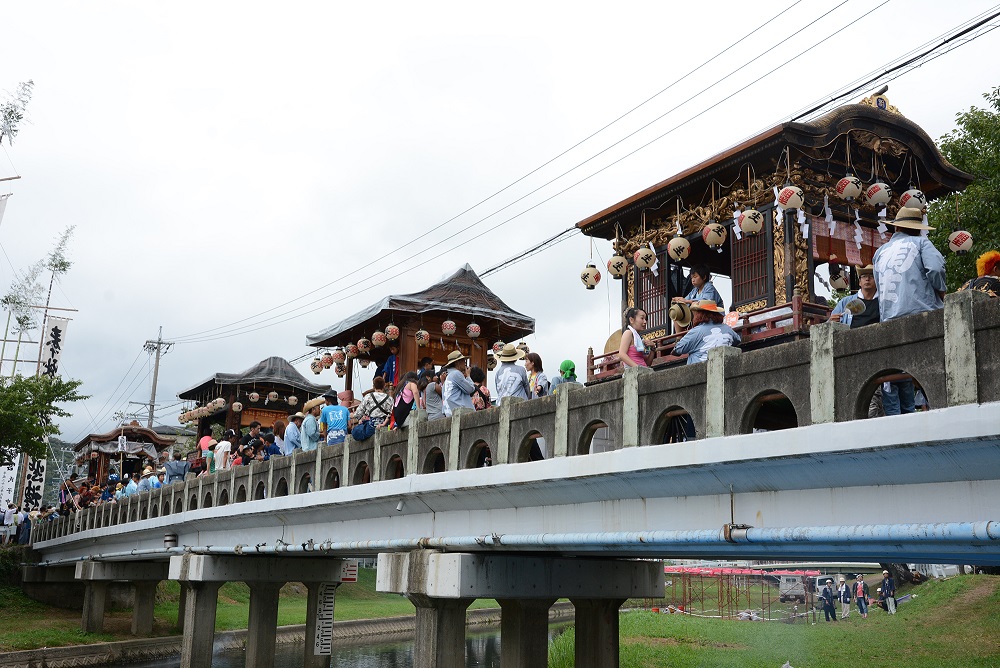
(217, 404)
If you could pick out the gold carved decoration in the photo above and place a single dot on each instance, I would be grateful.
(779, 260)
(880, 102)
(752, 306)
(630, 288)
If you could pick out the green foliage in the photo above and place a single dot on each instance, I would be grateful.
(12, 111)
(973, 146)
(28, 407)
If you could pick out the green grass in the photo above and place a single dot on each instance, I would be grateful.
(954, 622)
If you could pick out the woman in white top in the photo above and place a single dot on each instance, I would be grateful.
(222, 451)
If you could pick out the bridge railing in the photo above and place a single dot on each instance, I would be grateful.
(831, 376)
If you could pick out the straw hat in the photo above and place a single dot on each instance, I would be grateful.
(708, 306)
(509, 353)
(867, 270)
(298, 416)
(680, 313)
(454, 357)
(911, 218)
(313, 403)
(148, 471)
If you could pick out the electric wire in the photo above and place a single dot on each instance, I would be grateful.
(95, 422)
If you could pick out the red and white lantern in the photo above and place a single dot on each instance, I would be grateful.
(849, 187)
(448, 328)
(617, 265)
(237, 407)
(751, 222)
(272, 396)
(292, 400)
(791, 197)
(340, 370)
(364, 345)
(316, 366)
(714, 234)
(960, 242)
(644, 258)
(473, 330)
(590, 276)
(351, 350)
(878, 194)
(378, 338)
(391, 332)
(497, 347)
(327, 359)
(339, 356)
(678, 248)
(423, 337)
(913, 199)
(254, 397)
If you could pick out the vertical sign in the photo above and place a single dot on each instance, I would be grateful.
(8, 481)
(323, 644)
(55, 336)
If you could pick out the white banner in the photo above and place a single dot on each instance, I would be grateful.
(34, 483)
(3, 205)
(8, 481)
(55, 338)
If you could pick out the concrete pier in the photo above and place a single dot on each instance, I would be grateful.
(144, 576)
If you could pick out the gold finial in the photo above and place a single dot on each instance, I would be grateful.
(880, 101)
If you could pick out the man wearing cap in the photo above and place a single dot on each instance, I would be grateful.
(827, 597)
(707, 332)
(910, 278)
(457, 389)
(333, 419)
(844, 594)
(310, 425)
(867, 295)
(293, 437)
(888, 593)
(510, 379)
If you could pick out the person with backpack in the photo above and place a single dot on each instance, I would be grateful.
(481, 396)
(374, 410)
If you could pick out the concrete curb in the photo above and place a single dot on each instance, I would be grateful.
(345, 633)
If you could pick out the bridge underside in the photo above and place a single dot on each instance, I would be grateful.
(814, 492)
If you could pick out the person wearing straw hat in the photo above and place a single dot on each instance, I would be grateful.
(861, 308)
(707, 332)
(457, 388)
(910, 279)
(887, 593)
(510, 379)
(310, 425)
(844, 594)
(293, 434)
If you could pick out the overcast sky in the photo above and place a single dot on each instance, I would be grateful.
(220, 159)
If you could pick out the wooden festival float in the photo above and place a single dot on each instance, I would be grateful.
(125, 450)
(767, 213)
(455, 314)
(270, 390)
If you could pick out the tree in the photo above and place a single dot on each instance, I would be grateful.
(973, 146)
(12, 111)
(28, 408)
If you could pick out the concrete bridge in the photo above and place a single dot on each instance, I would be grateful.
(915, 488)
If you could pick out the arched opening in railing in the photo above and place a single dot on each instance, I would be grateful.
(259, 491)
(224, 497)
(595, 438)
(332, 479)
(155, 510)
(434, 462)
(207, 501)
(480, 455)
(144, 511)
(890, 392)
(281, 489)
(305, 483)
(241, 494)
(131, 514)
(394, 468)
(362, 474)
(166, 508)
(179, 505)
(673, 425)
(531, 448)
(193, 502)
(769, 411)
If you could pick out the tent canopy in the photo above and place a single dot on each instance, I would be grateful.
(462, 293)
(272, 371)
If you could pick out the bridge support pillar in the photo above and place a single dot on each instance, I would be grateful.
(263, 624)
(319, 623)
(715, 390)
(597, 632)
(524, 632)
(181, 605)
(199, 623)
(94, 598)
(440, 631)
(144, 596)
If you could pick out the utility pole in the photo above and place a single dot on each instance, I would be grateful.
(161, 347)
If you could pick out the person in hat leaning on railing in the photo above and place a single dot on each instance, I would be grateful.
(910, 278)
(861, 308)
(707, 332)
(457, 388)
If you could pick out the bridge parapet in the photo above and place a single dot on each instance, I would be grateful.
(829, 378)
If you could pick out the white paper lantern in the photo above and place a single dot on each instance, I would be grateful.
(237, 407)
(849, 187)
(644, 258)
(352, 351)
(617, 265)
(590, 276)
(423, 337)
(878, 194)
(364, 345)
(751, 222)
(678, 248)
(714, 234)
(340, 370)
(316, 366)
(497, 347)
(327, 359)
(378, 338)
(448, 328)
(391, 332)
(254, 397)
(364, 362)
(272, 396)
(292, 400)
(838, 277)
(339, 356)
(473, 330)
(791, 197)
(960, 242)
(913, 199)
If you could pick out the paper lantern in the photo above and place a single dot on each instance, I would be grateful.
(838, 279)
(497, 347)
(339, 357)
(254, 397)
(791, 197)
(364, 345)
(590, 276)
(292, 400)
(617, 265)
(378, 338)
(960, 242)
(491, 362)
(351, 350)
(180, 418)
(364, 362)
(237, 407)
(644, 258)
(751, 222)
(714, 234)
(522, 346)
(423, 337)
(878, 194)
(340, 370)
(316, 365)
(448, 328)
(473, 330)
(391, 332)
(849, 187)
(678, 248)
(913, 199)
(327, 359)
(272, 396)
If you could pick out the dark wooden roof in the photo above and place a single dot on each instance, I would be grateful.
(273, 372)
(815, 140)
(133, 432)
